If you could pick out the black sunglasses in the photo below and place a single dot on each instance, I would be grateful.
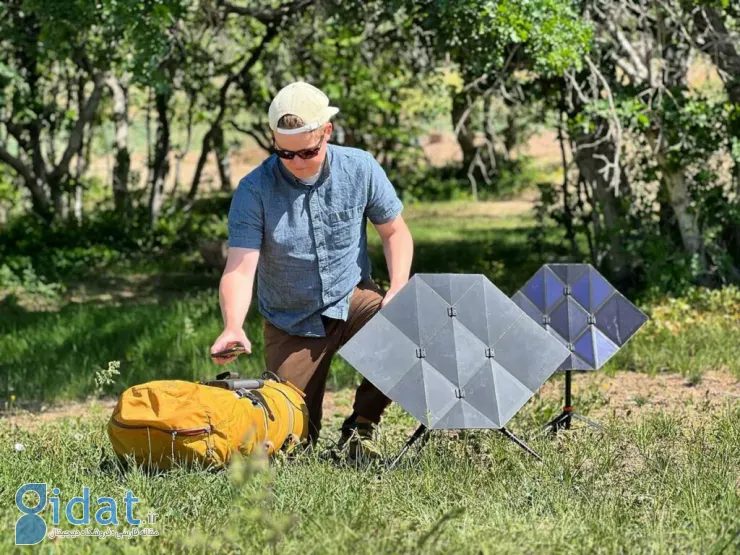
(304, 154)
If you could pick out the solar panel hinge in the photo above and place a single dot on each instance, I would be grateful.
(567, 290)
(591, 319)
(571, 347)
(545, 319)
(459, 393)
(421, 353)
(451, 311)
(489, 352)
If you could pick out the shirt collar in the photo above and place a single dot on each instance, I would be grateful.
(293, 180)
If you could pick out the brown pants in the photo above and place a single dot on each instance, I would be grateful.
(304, 361)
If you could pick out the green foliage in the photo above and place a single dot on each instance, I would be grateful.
(547, 36)
(69, 250)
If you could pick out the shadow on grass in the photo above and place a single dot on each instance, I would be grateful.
(161, 326)
(506, 256)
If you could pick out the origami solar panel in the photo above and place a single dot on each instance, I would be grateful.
(582, 310)
(455, 352)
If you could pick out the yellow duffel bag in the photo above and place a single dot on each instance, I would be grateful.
(173, 420)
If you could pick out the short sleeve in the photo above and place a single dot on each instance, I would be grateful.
(383, 204)
(246, 218)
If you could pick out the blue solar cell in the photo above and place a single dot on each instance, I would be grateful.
(600, 290)
(619, 319)
(553, 289)
(568, 319)
(559, 321)
(561, 270)
(581, 292)
(592, 302)
(584, 348)
(604, 348)
(573, 362)
(577, 318)
(535, 289)
(575, 271)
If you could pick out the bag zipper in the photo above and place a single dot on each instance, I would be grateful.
(184, 432)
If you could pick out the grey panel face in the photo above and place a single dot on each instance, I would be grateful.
(588, 304)
(524, 352)
(380, 346)
(430, 309)
(455, 352)
(480, 392)
(502, 313)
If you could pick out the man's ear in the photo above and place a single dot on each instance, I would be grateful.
(329, 129)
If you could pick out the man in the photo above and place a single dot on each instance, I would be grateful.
(300, 220)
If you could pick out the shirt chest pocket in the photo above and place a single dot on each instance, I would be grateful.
(345, 226)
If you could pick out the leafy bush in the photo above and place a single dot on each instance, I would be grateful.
(68, 249)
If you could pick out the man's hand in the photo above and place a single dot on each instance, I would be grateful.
(226, 337)
(389, 295)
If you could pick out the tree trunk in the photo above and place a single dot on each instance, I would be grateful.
(465, 135)
(160, 163)
(205, 149)
(608, 200)
(223, 160)
(122, 165)
(680, 200)
(180, 156)
(60, 206)
(78, 204)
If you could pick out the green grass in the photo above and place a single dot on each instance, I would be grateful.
(653, 484)
(656, 485)
(46, 355)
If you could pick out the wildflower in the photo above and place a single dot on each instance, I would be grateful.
(19, 447)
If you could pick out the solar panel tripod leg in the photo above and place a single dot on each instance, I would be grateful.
(562, 420)
(520, 443)
(587, 421)
(422, 432)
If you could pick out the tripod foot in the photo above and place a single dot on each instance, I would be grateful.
(422, 432)
(562, 420)
(588, 421)
(520, 443)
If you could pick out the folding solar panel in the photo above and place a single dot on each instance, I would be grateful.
(581, 310)
(455, 352)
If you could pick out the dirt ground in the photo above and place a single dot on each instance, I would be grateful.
(626, 394)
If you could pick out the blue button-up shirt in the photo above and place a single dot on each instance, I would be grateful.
(312, 238)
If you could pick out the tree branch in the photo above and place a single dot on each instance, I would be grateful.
(260, 139)
(16, 164)
(75, 138)
(266, 16)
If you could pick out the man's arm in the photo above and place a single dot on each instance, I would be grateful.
(235, 296)
(237, 282)
(384, 211)
(246, 227)
(398, 247)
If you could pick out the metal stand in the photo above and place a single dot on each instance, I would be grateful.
(563, 419)
(422, 432)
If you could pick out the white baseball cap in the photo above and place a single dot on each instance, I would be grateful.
(302, 100)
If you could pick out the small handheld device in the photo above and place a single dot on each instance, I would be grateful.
(232, 349)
